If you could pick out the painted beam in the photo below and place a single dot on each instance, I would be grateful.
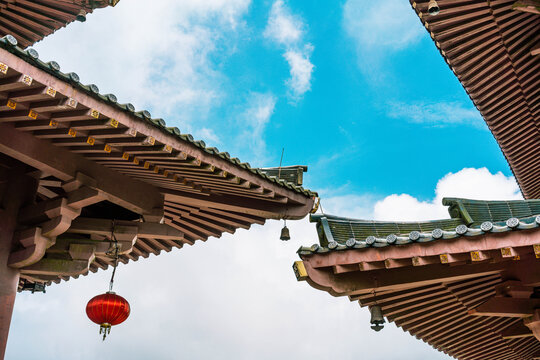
(506, 307)
(65, 165)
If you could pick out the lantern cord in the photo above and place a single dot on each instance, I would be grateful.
(113, 238)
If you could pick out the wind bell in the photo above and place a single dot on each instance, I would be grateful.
(285, 235)
(377, 319)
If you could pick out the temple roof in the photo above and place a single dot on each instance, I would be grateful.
(469, 218)
(53, 68)
(31, 21)
(106, 170)
(463, 285)
(492, 47)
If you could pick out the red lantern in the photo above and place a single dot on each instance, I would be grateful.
(107, 310)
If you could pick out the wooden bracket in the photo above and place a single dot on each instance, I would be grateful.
(82, 256)
(34, 244)
(533, 323)
(516, 331)
(57, 267)
(506, 307)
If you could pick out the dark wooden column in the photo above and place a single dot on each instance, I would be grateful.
(16, 190)
(9, 278)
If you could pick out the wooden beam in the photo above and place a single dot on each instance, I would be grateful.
(514, 289)
(449, 251)
(104, 227)
(82, 256)
(46, 210)
(506, 307)
(516, 331)
(354, 283)
(83, 197)
(261, 208)
(57, 267)
(65, 165)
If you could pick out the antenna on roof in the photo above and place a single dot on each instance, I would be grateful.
(280, 161)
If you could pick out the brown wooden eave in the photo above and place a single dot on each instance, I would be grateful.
(83, 150)
(446, 292)
(31, 21)
(491, 48)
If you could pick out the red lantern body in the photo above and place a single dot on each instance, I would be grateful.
(107, 310)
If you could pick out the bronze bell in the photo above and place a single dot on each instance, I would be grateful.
(377, 319)
(433, 8)
(81, 16)
(285, 235)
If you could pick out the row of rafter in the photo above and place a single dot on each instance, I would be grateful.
(46, 114)
(490, 46)
(439, 315)
(30, 21)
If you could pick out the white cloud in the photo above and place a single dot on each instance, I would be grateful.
(283, 27)
(385, 24)
(350, 206)
(230, 298)
(207, 134)
(287, 30)
(258, 110)
(379, 29)
(233, 297)
(301, 70)
(468, 183)
(436, 114)
(157, 57)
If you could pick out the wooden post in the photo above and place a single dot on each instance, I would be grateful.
(9, 278)
(19, 191)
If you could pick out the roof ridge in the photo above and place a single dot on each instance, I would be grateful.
(511, 224)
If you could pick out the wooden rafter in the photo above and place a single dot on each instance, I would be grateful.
(65, 165)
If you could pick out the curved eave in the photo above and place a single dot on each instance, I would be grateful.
(64, 129)
(31, 21)
(489, 47)
(67, 85)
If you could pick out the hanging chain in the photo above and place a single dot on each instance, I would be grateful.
(375, 291)
(115, 242)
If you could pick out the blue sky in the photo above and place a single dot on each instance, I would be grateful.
(378, 101)
(354, 89)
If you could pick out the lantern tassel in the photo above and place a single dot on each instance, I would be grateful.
(105, 329)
